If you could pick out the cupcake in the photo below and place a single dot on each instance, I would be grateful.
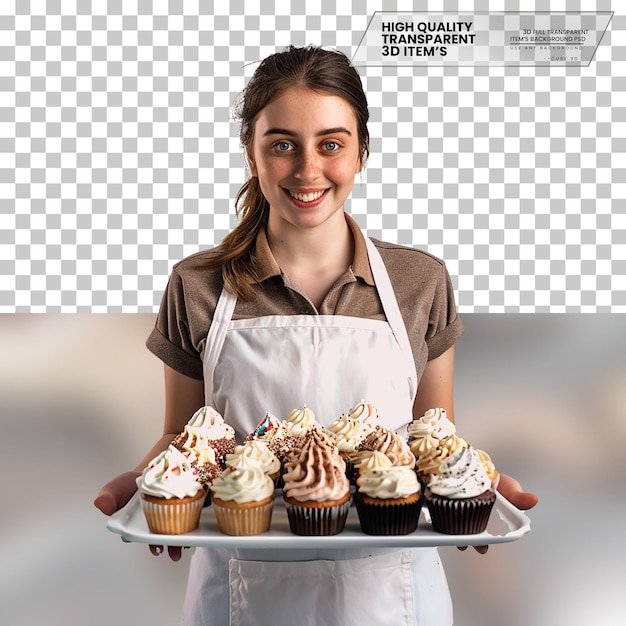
(266, 430)
(207, 426)
(243, 499)
(461, 495)
(346, 433)
(434, 423)
(204, 459)
(316, 490)
(388, 497)
(297, 426)
(387, 441)
(258, 451)
(431, 452)
(171, 495)
(365, 413)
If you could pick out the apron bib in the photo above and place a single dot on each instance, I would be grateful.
(329, 363)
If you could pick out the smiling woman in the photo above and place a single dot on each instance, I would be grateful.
(305, 169)
(296, 306)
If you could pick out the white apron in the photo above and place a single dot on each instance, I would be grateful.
(329, 363)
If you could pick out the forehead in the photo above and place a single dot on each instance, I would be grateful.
(299, 108)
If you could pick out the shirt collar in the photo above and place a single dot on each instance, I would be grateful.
(266, 265)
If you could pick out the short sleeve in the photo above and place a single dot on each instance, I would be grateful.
(171, 339)
(444, 325)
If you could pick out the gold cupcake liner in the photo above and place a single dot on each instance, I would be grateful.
(249, 518)
(173, 516)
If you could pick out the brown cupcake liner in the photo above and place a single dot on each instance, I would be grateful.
(463, 516)
(315, 519)
(388, 517)
(173, 516)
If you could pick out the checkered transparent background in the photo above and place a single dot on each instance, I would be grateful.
(118, 154)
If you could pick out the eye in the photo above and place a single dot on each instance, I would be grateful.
(331, 146)
(282, 146)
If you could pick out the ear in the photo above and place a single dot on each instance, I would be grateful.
(251, 161)
(359, 163)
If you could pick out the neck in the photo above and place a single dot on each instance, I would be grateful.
(328, 246)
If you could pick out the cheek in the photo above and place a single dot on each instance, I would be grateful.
(344, 175)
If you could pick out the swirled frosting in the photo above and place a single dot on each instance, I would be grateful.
(206, 427)
(490, 468)
(434, 422)
(299, 421)
(390, 443)
(204, 459)
(316, 473)
(364, 412)
(386, 482)
(209, 423)
(247, 482)
(169, 475)
(461, 475)
(430, 460)
(347, 433)
(268, 428)
(258, 451)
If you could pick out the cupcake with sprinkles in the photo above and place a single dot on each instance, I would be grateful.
(461, 493)
(207, 427)
(171, 494)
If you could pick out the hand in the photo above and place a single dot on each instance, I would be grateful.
(513, 492)
(175, 552)
(117, 492)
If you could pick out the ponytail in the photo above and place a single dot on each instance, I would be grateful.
(235, 254)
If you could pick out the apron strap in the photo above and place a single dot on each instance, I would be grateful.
(226, 305)
(215, 339)
(392, 311)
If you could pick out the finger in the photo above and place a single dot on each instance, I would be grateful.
(156, 550)
(525, 500)
(462, 548)
(105, 502)
(175, 552)
(481, 549)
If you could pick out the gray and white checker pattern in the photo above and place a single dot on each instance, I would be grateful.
(118, 154)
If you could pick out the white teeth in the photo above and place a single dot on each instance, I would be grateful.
(306, 197)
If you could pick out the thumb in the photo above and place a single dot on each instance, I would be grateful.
(524, 500)
(106, 502)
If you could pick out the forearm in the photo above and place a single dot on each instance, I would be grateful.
(156, 449)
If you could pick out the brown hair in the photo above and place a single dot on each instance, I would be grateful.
(312, 68)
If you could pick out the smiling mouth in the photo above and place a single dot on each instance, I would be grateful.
(307, 197)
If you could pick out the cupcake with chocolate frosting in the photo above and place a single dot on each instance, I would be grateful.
(316, 490)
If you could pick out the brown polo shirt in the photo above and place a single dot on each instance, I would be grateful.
(421, 283)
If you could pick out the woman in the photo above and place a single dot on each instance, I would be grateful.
(296, 306)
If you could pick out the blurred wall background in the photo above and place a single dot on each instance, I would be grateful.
(81, 400)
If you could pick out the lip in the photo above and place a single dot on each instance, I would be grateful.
(306, 205)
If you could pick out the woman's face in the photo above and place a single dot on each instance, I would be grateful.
(305, 152)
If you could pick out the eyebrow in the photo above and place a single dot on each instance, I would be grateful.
(321, 133)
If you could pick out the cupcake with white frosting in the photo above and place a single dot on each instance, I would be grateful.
(388, 497)
(243, 499)
(171, 493)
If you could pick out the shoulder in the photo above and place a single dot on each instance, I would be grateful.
(402, 258)
(194, 281)
(198, 268)
(196, 261)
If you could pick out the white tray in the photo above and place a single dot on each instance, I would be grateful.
(506, 523)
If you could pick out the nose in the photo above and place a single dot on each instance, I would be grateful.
(307, 166)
